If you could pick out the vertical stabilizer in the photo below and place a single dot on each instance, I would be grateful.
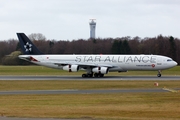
(27, 46)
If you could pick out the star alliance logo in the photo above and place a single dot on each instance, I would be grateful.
(27, 47)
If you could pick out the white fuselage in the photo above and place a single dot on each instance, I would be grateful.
(112, 62)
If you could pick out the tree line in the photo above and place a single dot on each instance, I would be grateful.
(160, 45)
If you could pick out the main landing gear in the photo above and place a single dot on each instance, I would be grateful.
(159, 73)
(91, 75)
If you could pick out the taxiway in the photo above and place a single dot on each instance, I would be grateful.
(34, 92)
(3, 77)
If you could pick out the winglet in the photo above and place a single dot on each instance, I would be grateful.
(27, 46)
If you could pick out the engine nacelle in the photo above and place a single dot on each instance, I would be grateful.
(71, 68)
(101, 70)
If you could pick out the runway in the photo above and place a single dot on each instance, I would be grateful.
(35, 92)
(3, 77)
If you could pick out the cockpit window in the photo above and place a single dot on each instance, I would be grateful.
(169, 60)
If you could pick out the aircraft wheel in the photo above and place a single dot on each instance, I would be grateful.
(95, 75)
(89, 75)
(84, 75)
(98, 75)
(159, 75)
(101, 75)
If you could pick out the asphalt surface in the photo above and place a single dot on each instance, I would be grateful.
(80, 78)
(35, 92)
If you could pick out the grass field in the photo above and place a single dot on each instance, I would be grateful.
(128, 106)
(83, 84)
(116, 106)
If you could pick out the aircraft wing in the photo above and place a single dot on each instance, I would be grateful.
(83, 64)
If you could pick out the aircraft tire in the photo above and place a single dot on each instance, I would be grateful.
(95, 75)
(101, 75)
(98, 75)
(159, 75)
(84, 75)
(89, 75)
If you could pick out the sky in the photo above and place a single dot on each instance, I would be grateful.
(69, 19)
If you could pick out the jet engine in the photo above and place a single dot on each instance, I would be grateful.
(71, 68)
(101, 70)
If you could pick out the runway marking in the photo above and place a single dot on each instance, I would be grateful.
(171, 90)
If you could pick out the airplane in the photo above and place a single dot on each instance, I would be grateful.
(94, 65)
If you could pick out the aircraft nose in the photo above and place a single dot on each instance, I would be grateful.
(174, 63)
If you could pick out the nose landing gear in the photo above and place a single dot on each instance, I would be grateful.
(159, 73)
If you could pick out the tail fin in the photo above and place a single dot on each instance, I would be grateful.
(27, 46)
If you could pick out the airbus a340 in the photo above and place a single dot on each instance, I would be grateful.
(94, 65)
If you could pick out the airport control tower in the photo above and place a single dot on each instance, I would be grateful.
(92, 25)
